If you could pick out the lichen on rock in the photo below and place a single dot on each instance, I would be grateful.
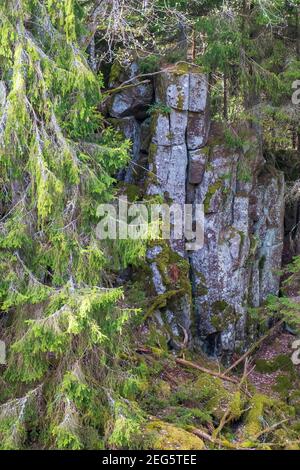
(191, 161)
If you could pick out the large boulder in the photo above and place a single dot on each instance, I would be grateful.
(135, 99)
(132, 101)
(172, 88)
(165, 436)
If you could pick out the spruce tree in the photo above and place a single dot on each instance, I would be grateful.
(60, 318)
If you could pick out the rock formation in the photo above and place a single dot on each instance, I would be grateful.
(179, 155)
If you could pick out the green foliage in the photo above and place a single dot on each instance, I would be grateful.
(17, 417)
(281, 362)
(69, 332)
(286, 307)
(66, 440)
(232, 139)
(185, 417)
(58, 162)
(224, 42)
(244, 171)
(127, 428)
(159, 108)
(149, 64)
(173, 57)
(244, 47)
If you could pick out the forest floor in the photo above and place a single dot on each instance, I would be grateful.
(279, 346)
(255, 406)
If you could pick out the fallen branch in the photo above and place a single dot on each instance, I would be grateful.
(222, 443)
(142, 350)
(203, 435)
(192, 365)
(269, 429)
(254, 347)
(219, 375)
(186, 337)
(127, 83)
(119, 89)
(226, 418)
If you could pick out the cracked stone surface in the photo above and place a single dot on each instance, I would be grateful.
(244, 210)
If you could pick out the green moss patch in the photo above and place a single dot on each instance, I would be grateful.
(212, 190)
(164, 436)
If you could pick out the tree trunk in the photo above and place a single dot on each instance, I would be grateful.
(225, 110)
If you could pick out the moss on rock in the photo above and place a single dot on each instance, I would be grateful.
(223, 315)
(165, 436)
(254, 420)
(115, 73)
(210, 193)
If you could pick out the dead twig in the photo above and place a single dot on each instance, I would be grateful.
(227, 416)
(121, 88)
(220, 442)
(192, 365)
(142, 350)
(269, 429)
(254, 347)
(128, 83)
(221, 376)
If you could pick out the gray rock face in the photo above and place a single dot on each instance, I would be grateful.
(197, 130)
(134, 100)
(197, 163)
(237, 266)
(173, 89)
(169, 165)
(2, 94)
(269, 231)
(243, 213)
(2, 106)
(170, 129)
(184, 128)
(157, 280)
(292, 224)
(188, 162)
(198, 97)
